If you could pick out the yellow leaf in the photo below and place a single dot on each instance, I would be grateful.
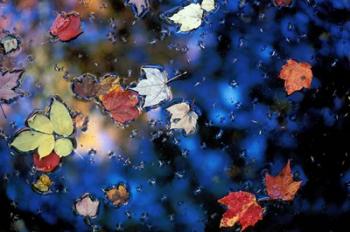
(27, 140)
(40, 123)
(43, 184)
(46, 145)
(63, 147)
(61, 119)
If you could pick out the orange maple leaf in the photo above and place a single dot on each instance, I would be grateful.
(121, 104)
(282, 186)
(242, 208)
(296, 76)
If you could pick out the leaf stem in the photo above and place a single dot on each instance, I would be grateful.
(3, 111)
(176, 77)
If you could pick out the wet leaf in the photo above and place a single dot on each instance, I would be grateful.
(296, 76)
(154, 87)
(282, 186)
(63, 147)
(85, 86)
(40, 123)
(121, 104)
(139, 7)
(43, 184)
(182, 117)
(61, 118)
(190, 17)
(9, 86)
(118, 195)
(67, 26)
(87, 206)
(282, 3)
(242, 208)
(46, 164)
(9, 43)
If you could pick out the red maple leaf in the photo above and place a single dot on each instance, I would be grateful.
(282, 3)
(242, 208)
(47, 163)
(282, 186)
(121, 104)
(296, 76)
(67, 26)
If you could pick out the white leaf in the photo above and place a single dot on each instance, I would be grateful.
(189, 17)
(154, 87)
(182, 117)
(87, 207)
(208, 5)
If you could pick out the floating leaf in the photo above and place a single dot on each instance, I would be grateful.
(118, 195)
(63, 147)
(9, 43)
(296, 76)
(81, 121)
(182, 117)
(85, 86)
(9, 84)
(242, 208)
(87, 206)
(40, 123)
(139, 7)
(40, 135)
(47, 163)
(61, 119)
(121, 104)
(190, 17)
(282, 3)
(43, 184)
(67, 26)
(154, 87)
(282, 186)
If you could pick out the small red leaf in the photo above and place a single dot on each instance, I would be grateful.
(66, 26)
(296, 76)
(282, 3)
(242, 208)
(122, 104)
(282, 186)
(46, 164)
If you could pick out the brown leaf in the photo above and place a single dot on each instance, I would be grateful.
(118, 195)
(282, 186)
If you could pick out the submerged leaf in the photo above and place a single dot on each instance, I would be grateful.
(189, 17)
(296, 76)
(282, 3)
(182, 117)
(118, 195)
(154, 87)
(9, 84)
(282, 186)
(139, 7)
(242, 208)
(87, 206)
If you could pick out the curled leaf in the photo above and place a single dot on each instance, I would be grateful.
(67, 26)
(182, 117)
(243, 208)
(42, 184)
(282, 186)
(296, 76)
(47, 163)
(118, 195)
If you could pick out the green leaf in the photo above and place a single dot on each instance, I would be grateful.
(30, 140)
(63, 147)
(60, 118)
(46, 146)
(40, 123)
